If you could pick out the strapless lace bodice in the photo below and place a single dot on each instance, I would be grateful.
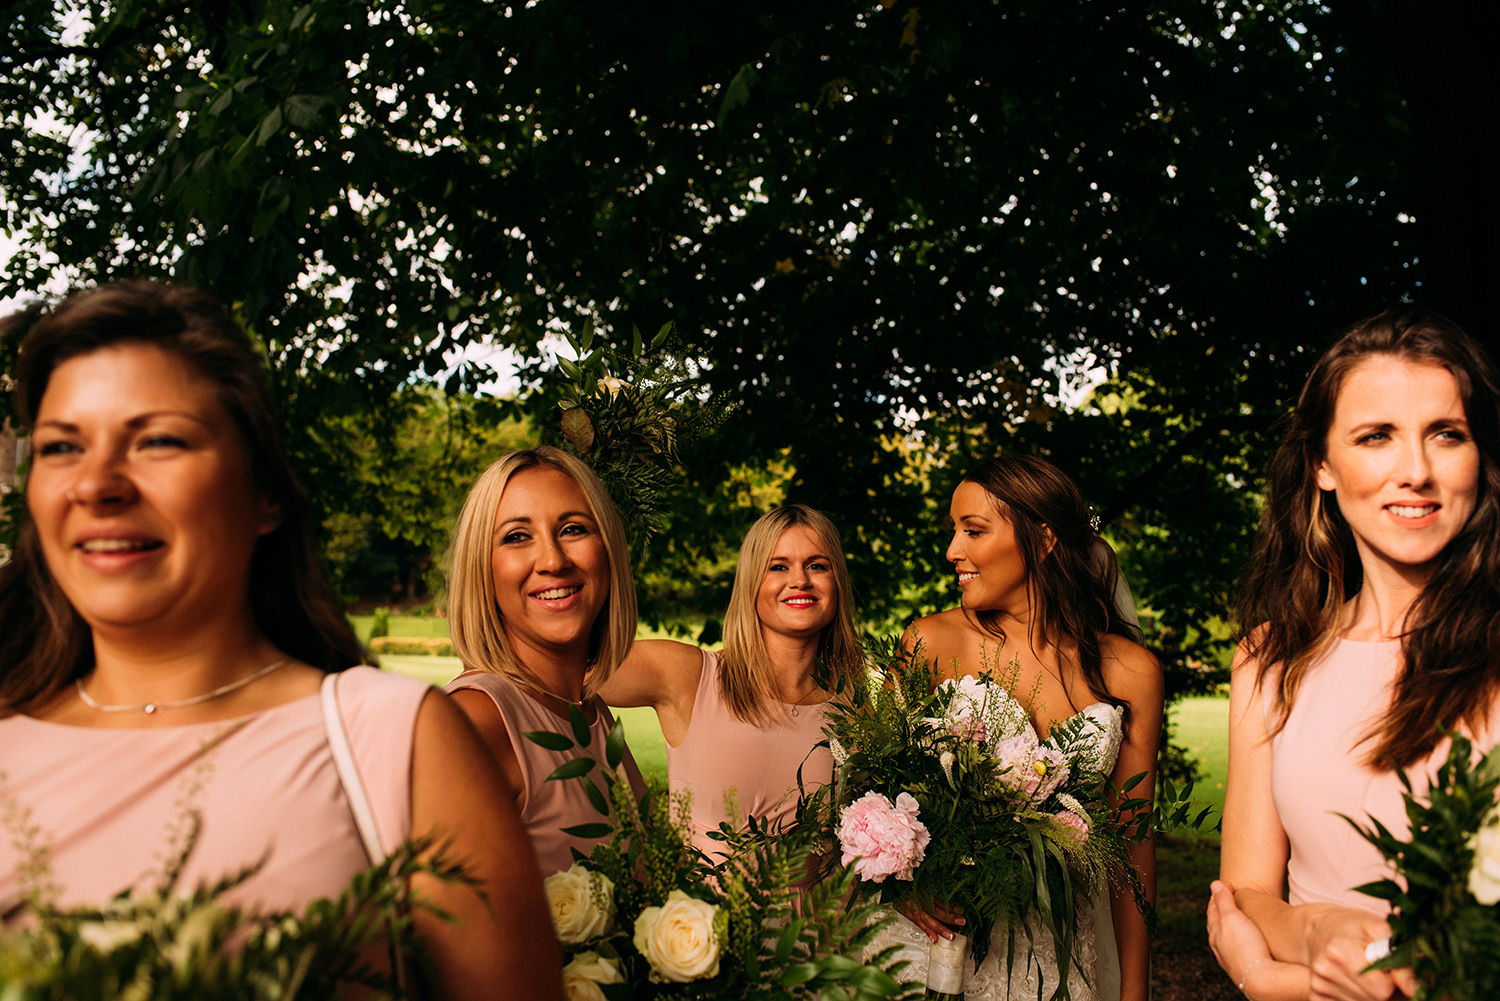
(1034, 973)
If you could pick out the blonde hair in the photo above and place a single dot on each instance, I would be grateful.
(747, 682)
(473, 612)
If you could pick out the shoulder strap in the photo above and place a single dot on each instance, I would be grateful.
(343, 761)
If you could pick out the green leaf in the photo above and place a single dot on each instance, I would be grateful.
(551, 741)
(580, 724)
(596, 796)
(596, 830)
(572, 769)
(614, 745)
(269, 126)
(800, 974)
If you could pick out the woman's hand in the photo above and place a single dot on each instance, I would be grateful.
(1337, 938)
(937, 919)
(1236, 941)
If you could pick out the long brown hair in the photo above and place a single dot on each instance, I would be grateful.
(1305, 565)
(44, 643)
(747, 682)
(1070, 574)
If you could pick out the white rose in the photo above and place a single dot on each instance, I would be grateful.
(1484, 876)
(582, 902)
(107, 936)
(195, 936)
(582, 976)
(678, 938)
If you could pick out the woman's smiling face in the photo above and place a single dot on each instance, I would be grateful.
(549, 564)
(798, 595)
(141, 492)
(991, 570)
(1401, 461)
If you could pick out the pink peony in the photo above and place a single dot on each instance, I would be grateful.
(1031, 769)
(969, 726)
(1067, 818)
(883, 839)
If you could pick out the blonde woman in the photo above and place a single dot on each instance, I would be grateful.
(741, 726)
(542, 612)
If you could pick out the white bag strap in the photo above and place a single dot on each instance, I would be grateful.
(343, 761)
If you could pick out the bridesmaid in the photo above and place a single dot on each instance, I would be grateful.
(742, 726)
(1370, 604)
(542, 612)
(167, 644)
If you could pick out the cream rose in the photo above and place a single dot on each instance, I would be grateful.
(582, 976)
(678, 938)
(582, 902)
(1484, 876)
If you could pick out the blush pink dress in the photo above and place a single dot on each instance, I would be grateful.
(733, 770)
(550, 806)
(107, 809)
(1318, 774)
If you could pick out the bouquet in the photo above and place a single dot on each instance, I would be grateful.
(1445, 922)
(646, 915)
(163, 945)
(953, 798)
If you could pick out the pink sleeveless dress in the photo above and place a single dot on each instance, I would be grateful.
(734, 771)
(1318, 773)
(550, 806)
(109, 808)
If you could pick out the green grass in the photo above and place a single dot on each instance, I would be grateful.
(1201, 725)
(642, 732)
(402, 625)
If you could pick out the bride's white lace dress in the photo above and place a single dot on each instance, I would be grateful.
(1094, 973)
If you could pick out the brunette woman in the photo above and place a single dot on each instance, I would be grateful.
(168, 641)
(1371, 606)
(1039, 612)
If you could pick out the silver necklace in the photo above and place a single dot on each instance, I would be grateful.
(150, 707)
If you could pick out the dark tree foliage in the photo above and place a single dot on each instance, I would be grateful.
(868, 220)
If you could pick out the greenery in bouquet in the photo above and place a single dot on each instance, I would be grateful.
(627, 413)
(951, 797)
(166, 945)
(646, 915)
(1445, 922)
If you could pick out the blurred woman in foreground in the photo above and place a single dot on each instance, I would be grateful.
(166, 632)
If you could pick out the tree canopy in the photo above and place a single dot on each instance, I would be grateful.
(890, 230)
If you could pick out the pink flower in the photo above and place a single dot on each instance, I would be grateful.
(883, 839)
(1031, 769)
(1067, 818)
(969, 726)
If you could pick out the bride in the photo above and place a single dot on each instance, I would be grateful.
(1037, 595)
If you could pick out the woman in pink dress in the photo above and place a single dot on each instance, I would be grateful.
(166, 642)
(741, 726)
(542, 611)
(1372, 596)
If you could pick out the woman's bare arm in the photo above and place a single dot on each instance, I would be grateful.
(501, 946)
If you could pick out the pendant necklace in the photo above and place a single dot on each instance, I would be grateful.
(797, 703)
(151, 707)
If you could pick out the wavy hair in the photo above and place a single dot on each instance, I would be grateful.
(44, 643)
(1070, 571)
(1305, 565)
(473, 611)
(747, 681)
